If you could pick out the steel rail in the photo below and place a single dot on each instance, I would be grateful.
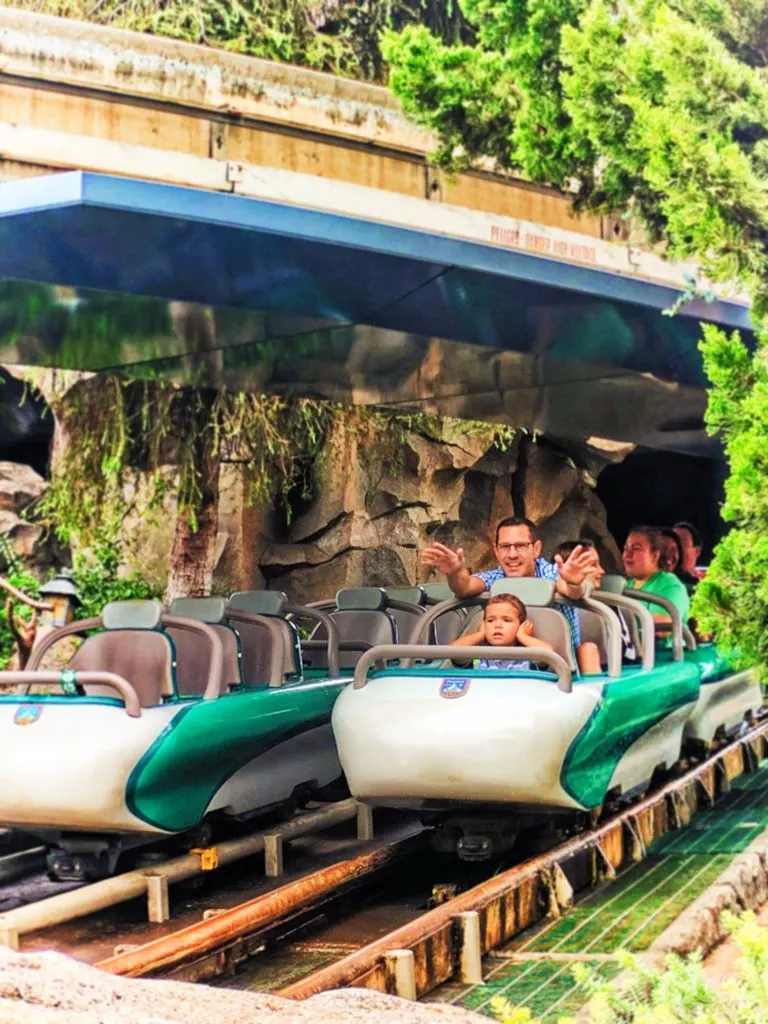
(24, 862)
(521, 896)
(88, 899)
(247, 919)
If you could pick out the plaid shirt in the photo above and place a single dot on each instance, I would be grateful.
(546, 571)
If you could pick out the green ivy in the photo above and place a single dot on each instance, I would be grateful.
(341, 36)
(98, 580)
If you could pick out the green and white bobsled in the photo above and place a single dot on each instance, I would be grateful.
(161, 721)
(484, 742)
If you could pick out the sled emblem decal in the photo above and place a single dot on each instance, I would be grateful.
(453, 687)
(28, 714)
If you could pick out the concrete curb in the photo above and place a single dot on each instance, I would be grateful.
(742, 886)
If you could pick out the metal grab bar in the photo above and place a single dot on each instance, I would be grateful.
(386, 652)
(639, 611)
(277, 654)
(47, 677)
(213, 684)
(671, 610)
(420, 632)
(612, 625)
(332, 630)
(216, 667)
(70, 629)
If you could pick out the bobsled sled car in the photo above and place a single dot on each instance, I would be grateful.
(162, 722)
(483, 752)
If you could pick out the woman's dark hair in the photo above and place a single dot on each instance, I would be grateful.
(565, 549)
(670, 534)
(695, 535)
(653, 533)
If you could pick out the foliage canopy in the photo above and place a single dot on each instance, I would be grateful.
(660, 110)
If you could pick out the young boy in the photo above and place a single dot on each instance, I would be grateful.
(505, 624)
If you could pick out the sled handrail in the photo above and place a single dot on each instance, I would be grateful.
(385, 652)
(216, 666)
(331, 629)
(49, 677)
(678, 637)
(639, 611)
(213, 684)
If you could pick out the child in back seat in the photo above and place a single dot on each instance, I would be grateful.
(505, 624)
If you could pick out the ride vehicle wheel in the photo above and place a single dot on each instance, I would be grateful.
(63, 866)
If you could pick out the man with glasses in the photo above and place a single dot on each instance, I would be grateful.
(518, 549)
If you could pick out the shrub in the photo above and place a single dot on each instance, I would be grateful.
(678, 994)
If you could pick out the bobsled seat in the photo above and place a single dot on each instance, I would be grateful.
(193, 651)
(406, 618)
(548, 622)
(257, 639)
(451, 625)
(134, 647)
(362, 619)
(593, 630)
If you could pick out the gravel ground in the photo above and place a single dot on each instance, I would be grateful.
(49, 988)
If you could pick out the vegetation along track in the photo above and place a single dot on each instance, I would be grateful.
(445, 943)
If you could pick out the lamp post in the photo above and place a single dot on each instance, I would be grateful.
(62, 598)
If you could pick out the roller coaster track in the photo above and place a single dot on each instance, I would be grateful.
(449, 940)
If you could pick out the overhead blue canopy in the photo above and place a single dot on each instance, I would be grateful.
(103, 273)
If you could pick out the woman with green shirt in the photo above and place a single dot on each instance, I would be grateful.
(642, 552)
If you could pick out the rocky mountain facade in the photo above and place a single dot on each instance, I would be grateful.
(371, 512)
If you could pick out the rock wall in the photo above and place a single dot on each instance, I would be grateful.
(369, 521)
(374, 508)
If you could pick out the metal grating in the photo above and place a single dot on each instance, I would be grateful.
(628, 913)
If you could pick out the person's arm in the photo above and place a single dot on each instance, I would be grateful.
(450, 562)
(573, 572)
(672, 590)
(473, 639)
(525, 637)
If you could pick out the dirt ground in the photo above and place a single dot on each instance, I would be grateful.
(720, 964)
(49, 988)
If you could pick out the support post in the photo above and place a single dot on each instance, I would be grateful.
(9, 936)
(273, 855)
(471, 950)
(401, 972)
(158, 903)
(364, 822)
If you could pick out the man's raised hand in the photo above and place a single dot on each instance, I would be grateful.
(444, 559)
(575, 569)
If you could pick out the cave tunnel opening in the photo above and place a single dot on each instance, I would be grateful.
(661, 488)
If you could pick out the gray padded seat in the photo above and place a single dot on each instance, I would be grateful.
(193, 651)
(361, 617)
(143, 656)
(548, 623)
(451, 625)
(406, 620)
(256, 639)
(593, 630)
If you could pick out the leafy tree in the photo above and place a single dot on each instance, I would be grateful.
(658, 109)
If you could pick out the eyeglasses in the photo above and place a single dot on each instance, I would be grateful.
(517, 548)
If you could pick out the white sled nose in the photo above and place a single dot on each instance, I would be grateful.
(67, 767)
(406, 741)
